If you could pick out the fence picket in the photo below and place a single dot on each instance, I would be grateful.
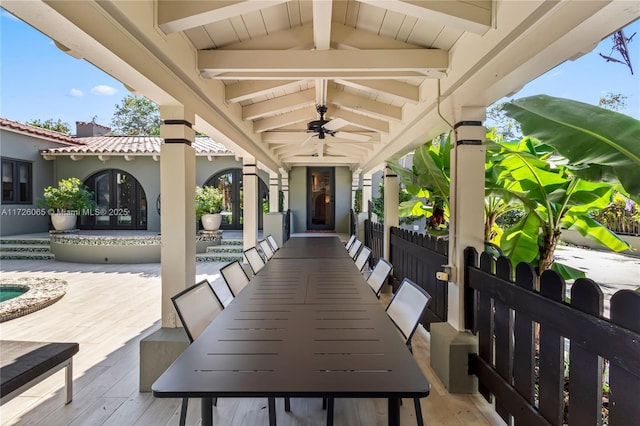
(624, 385)
(485, 323)
(503, 332)
(524, 350)
(551, 355)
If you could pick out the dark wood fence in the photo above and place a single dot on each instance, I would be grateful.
(374, 239)
(353, 223)
(418, 257)
(287, 226)
(525, 335)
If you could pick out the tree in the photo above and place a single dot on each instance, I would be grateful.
(136, 115)
(613, 101)
(57, 126)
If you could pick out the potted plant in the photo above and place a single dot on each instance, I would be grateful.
(66, 201)
(208, 207)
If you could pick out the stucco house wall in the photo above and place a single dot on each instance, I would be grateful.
(22, 218)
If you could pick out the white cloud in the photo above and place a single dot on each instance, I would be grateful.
(76, 93)
(103, 90)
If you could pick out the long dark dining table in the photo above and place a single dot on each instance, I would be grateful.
(303, 327)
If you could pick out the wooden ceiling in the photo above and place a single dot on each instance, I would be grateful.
(391, 73)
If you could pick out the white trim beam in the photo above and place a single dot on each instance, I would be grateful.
(322, 24)
(303, 114)
(359, 120)
(275, 137)
(338, 161)
(245, 90)
(279, 105)
(465, 15)
(286, 64)
(352, 102)
(403, 91)
(174, 16)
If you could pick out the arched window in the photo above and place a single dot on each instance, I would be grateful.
(229, 181)
(120, 202)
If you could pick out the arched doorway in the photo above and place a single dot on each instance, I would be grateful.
(120, 202)
(229, 181)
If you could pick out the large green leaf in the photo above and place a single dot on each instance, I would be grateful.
(520, 242)
(585, 134)
(430, 173)
(595, 231)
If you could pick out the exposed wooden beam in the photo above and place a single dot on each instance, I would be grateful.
(303, 114)
(344, 37)
(398, 89)
(361, 120)
(356, 103)
(275, 137)
(322, 24)
(338, 161)
(278, 105)
(287, 64)
(244, 90)
(174, 16)
(470, 16)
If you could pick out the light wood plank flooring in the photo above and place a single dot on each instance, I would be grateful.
(109, 308)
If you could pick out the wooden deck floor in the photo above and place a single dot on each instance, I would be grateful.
(108, 309)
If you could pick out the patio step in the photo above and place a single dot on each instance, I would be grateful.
(218, 257)
(25, 249)
(228, 251)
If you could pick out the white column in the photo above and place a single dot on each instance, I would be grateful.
(177, 211)
(366, 191)
(274, 192)
(250, 201)
(355, 184)
(391, 200)
(285, 190)
(466, 226)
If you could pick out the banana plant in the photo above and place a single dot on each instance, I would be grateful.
(605, 143)
(554, 198)
(428, 182)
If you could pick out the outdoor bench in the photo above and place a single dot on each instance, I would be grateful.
(25, 364)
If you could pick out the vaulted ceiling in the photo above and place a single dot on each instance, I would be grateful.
(391, 73)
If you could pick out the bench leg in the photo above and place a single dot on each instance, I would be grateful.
(68, 382)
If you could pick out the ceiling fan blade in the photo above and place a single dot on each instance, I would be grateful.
(335, 124)
(307, 140)
(352, 136)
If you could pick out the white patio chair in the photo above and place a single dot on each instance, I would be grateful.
(362, 258)
(351, 240)
(272, 241)
(379, 275)
(353, 251)
(406, 309)
(196, 306)
(234, 276)
(255, 260)
(266, 249)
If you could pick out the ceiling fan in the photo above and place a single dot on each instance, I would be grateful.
(323, 127)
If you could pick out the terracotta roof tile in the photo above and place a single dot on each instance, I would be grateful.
(38, 131)
(135, 145)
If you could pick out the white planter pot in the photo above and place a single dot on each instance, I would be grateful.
(63, 221)
(211, 222)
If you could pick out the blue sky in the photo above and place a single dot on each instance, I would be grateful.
(39, 81)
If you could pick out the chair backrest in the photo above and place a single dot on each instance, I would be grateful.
(266, 249)
(351, 240)
(223, 291)
(407, 307)
(379, 275)
(255, 260)
(197, 306)
(235, 277)
(273, 243)
(353, 251)
(363, 257)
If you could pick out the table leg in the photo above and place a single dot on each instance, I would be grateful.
(206, 411)
(272, 412)
(394, 411)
